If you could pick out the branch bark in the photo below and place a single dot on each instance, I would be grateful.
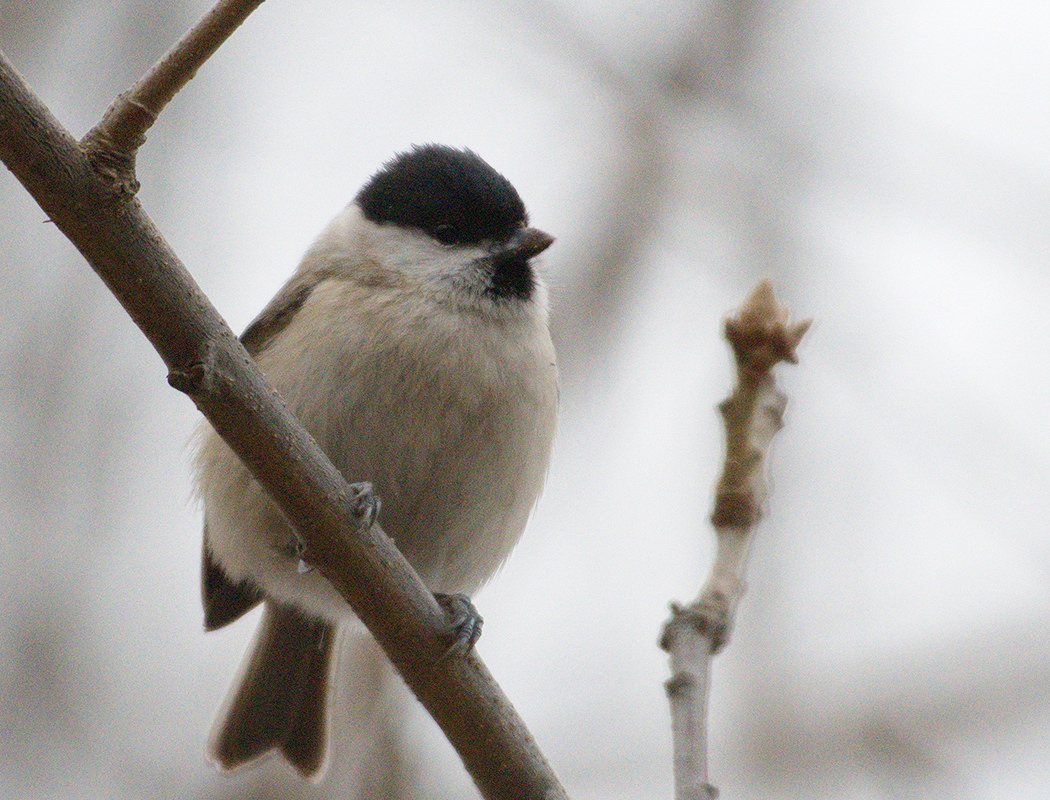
(206, 361)
(761, 336)
(112, 143)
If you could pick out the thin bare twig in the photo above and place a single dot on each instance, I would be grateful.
(113, 142)
(206, 361)
(761, 335)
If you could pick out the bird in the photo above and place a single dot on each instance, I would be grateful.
(413, 343)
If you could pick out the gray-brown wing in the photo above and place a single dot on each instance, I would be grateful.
(279, 312)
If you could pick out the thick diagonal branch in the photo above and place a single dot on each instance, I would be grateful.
(761, 335)
(205, 360)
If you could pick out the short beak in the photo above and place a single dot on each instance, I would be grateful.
(529, 242)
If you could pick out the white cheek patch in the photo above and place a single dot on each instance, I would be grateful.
(428, 263)
(414, 253)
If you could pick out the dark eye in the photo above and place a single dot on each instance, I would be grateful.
(446, 233)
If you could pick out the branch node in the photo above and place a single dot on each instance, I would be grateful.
(678, 683)
(736, 509)
(365, 504)
(708, 616)
(114, 165)
(194, 380)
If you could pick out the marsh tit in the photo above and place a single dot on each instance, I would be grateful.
(413, 344)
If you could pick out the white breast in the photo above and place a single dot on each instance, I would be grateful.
(450, 414)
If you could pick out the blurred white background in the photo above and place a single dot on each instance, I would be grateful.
(887, 164)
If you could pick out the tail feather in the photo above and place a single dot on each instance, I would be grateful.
(281, 699)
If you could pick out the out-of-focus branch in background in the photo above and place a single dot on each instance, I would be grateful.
(761, 336)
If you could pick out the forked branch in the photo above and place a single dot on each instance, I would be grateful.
(112, 143)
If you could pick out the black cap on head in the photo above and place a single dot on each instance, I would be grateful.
(450, 194)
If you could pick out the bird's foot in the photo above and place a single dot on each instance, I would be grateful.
(365, 503)
(464, 622)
